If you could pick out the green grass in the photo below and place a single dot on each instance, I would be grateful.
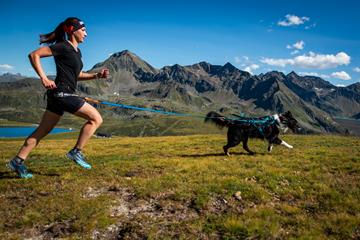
(183, 187)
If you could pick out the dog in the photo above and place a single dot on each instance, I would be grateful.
(240, 129)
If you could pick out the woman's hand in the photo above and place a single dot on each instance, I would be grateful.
(48, 84)
(104, 73)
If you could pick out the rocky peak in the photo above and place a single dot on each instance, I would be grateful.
(228, 66)
(126, 60)
(274, 74)
(292, 74)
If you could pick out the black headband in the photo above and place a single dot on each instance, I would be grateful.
(77, 25)
(74, 26)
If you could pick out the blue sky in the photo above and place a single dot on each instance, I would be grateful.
(309, 37)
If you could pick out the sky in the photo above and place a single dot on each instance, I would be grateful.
(319, 38)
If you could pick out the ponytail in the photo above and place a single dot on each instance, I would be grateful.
(59, 34)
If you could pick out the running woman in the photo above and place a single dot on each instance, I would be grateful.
(63, 46)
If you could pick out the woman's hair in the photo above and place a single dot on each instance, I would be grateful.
(59, 34)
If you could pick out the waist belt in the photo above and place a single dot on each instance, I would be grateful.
(62, 94)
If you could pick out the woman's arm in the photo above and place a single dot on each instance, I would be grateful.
(34, 58)
(83, 76)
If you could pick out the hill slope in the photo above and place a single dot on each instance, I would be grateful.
(183, 187)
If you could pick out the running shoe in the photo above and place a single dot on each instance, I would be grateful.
(19, 167)
(79, 158)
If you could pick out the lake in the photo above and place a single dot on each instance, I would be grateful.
(6, 132)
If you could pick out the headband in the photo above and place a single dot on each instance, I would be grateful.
(74, 26)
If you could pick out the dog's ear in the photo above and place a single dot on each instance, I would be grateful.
(288, 114)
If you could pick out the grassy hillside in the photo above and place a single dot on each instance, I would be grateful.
(183, 187)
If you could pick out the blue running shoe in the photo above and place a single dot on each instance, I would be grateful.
(77, 156)
(19, 167)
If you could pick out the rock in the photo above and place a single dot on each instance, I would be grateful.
(237, 195)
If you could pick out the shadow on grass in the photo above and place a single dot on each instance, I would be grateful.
(7, 175)
(46, 174)
(12, 175)
(220, 154)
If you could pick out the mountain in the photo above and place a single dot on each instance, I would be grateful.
(202, 87)
(126, 70)
(21, 100)
(9, 77)
(354, 87)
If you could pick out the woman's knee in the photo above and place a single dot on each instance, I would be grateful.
(99, 120)
(96, 120)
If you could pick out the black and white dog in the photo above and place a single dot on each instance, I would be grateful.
(241, 128)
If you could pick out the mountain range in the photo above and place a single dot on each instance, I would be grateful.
(198, 88)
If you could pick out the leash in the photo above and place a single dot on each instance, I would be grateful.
(90, 100)
(260, 124)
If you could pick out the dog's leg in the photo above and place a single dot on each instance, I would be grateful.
(226, 148)
(245, 146)
(282, 142)
(270, 147)
(233, 137)
(230, 145)
(286, 144)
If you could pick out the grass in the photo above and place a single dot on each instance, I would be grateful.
(183, 187)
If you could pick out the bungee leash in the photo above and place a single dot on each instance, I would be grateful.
(265, 120)
(90, 100)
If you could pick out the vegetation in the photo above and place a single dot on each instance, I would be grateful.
(183, 187)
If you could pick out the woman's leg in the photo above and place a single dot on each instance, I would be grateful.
(48, 122)
(94, 120)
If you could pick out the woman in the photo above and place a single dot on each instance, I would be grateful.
(63, 45)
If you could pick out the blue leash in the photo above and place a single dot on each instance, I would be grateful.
(149, 110)
(264, 120)
(142, 109)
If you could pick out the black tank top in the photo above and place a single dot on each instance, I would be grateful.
(68, 66)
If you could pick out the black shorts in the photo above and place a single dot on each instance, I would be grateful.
(59, 105)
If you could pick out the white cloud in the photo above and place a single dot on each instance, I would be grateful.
(340, 85)
(6, 66)
(315, 74)
(237, 59)
(251, 67)
(294, 52)
(312, 60)
(298, 45)
(293, 20)
(341, 75)
(357, 69)
(277, 62)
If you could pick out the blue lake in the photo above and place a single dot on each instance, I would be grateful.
(6, 132)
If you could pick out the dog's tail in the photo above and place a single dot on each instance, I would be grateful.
(219, 120)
